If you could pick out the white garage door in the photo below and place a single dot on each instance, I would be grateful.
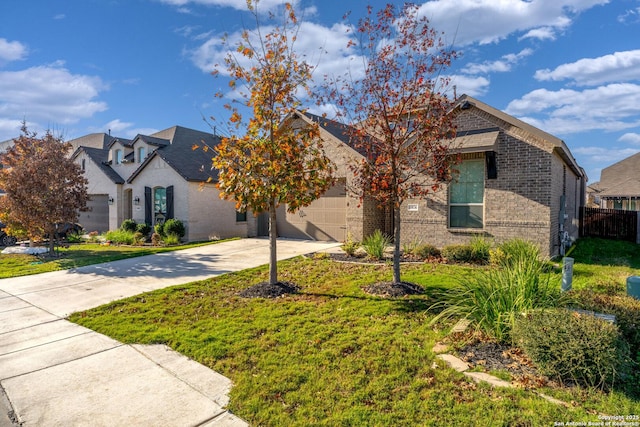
(97, 217)
(324, 219)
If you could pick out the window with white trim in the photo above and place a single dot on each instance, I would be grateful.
(118, 156)
(466, 195)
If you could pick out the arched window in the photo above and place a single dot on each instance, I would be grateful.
(159, 204)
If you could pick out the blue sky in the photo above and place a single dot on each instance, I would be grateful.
(569, 67)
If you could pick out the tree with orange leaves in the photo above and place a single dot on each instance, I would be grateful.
(268, 161)
(399, 111)
(43, 186)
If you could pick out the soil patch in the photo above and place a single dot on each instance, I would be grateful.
(267, 290)
(392, 289)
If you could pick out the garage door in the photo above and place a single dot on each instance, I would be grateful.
(324, 219)
(97, 217)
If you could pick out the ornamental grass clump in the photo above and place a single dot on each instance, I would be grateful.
(493, 298)
(375, 244)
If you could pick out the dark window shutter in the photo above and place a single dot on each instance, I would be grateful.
(492, 166)
(170, 202)
(148, 203)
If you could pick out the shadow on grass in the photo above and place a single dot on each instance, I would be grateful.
(595, 251)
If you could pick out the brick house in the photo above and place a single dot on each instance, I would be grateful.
(152, 178)
(515, 181)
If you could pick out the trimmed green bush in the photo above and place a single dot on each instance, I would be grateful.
(375, 244)
(427, 251)
(143, 229)
(457, 253)
(159, 229)
(480, 248)
(173, 227)
(128, 225)
(625, 308)
(572, 347)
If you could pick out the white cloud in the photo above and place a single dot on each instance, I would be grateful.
(611, 108)
(603, 156)
(324, 47)
(264, 5)
(59, 16)
(617, 67)
(489, 21)
(631, 138)
(472, 86)
(11, 51)
(630, 16)
(118, 128)
(502, 65)
(49, 94)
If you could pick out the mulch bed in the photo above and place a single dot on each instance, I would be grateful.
(342, 257)
(491, 356)
(393, 290)
(267, 290)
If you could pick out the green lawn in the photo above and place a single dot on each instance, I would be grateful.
(333, 355)
(77, 255)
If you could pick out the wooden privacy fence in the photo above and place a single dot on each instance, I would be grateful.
(609, 224)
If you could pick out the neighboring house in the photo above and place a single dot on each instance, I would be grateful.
(515, 181)
(152, 178)
(619, 186)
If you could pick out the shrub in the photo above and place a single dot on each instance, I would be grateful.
(159, 229)
(120, 237)
(350, 246)
(173, 227)
(457, 253)
(572, 347)
(128, 225)
(375, 244)
(139, 238)
(427, 251)
(625, 308)
(74, 238)
(493, 298)
(480, 248)
(143, 229)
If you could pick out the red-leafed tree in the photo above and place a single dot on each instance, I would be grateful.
(267, 161)
(398, 109)
(43, 186)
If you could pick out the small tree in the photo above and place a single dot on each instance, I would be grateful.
(270, 162)
(401, 118)
(43, 186)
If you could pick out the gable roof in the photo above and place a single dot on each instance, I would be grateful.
(178, 153)
(554, 143)
(100, 157)
(621, 179)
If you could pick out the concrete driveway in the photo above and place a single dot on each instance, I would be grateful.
(56, 373)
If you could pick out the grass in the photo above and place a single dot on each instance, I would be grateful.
(77, 255)
(333, 355)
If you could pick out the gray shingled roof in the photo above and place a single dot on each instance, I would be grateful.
(100, 157)
(621, 179)
(555, 143)
(192, 165)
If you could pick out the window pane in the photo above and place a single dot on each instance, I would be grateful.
(160, 200)
(241, 216)
(466, 216)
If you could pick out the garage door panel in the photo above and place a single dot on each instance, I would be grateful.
(324, 219)
(97, 217)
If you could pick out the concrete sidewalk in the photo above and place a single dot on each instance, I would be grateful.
(56, 373)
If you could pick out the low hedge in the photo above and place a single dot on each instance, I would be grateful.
(573, 348)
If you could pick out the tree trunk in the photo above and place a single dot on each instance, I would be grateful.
(396, 243)
(52, 239)
(273, 235)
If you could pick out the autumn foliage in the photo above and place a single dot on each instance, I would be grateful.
(398, 108)
(270, 159)
(43, 186)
